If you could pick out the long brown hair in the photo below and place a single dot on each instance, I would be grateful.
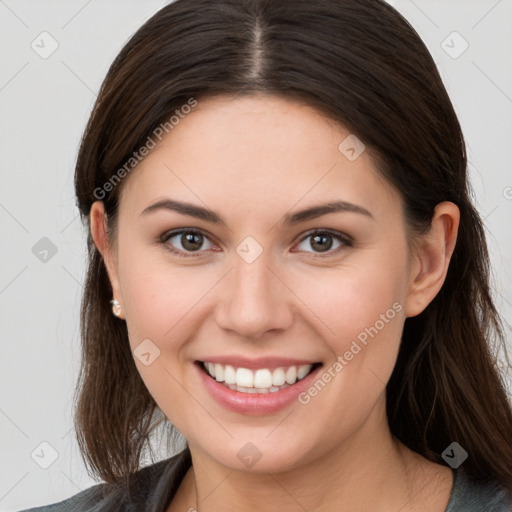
(362, 64)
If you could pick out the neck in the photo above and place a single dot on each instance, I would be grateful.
(370, 470)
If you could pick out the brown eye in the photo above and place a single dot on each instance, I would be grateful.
(322, 242)
(185, 241)
(191, 241)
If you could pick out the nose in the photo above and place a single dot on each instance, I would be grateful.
(254, 299)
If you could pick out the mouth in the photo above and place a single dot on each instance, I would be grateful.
(258, 380)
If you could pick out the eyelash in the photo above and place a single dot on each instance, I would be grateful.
(341, 237)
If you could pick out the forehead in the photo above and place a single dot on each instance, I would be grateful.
(256, 150)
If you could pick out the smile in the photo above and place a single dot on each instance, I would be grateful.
(255, 386)
(261, 380)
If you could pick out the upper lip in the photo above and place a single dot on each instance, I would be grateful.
(260, 362)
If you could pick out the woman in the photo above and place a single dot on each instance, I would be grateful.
(286, 268)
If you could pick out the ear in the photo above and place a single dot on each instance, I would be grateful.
(431, 258)
(98, 227)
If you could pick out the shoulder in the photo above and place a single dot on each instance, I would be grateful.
(470, 495)
(153, 484)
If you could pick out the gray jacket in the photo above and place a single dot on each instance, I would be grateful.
(155, 486)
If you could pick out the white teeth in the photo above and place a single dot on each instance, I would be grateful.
(244, 378)
(262, 380)
(219, 373)
(273, 389)
(229, 375)
(291, 375)
(278, 378)
(303, 371)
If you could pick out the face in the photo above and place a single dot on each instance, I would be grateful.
(254, 285)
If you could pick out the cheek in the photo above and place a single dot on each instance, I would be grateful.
(158, 293)
(359, 309)
(162, 304)
(160, 299)
(348, 300)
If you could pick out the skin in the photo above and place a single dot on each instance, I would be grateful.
(252, 160)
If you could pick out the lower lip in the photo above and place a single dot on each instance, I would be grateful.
(254, 404)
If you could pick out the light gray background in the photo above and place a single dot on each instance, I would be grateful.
(44, 105)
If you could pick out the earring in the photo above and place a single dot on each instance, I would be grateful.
(116, 307)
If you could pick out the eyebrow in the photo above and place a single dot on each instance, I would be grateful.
(289, 220)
